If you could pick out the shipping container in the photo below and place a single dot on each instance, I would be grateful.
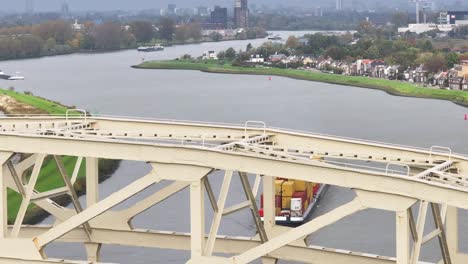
(287, 189)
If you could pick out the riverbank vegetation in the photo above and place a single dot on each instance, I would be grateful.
(63, 37)
(16, 103)
(392, 87)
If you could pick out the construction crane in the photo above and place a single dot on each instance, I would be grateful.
(425, 5)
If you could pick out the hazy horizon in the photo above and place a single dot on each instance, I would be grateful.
(103, 5)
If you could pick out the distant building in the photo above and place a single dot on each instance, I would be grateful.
(256, 59)
(318, 11)
(30, 6)
(171, 9)
(210, 55)
(447, 21)
(457, 17)
(339, 5)
(65, 10)
(219, 16)
(77, 27)
(241, 13)
(203, 11)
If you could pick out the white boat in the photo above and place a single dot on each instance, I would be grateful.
(16, 77)
(151, 48)
(276, 37)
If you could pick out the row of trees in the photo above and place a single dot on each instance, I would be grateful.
(406, 52)
(58, 37)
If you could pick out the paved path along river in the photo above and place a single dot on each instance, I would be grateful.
(105, 84)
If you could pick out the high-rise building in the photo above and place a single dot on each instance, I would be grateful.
(203, 11)
(171, 9)
(318, 11)
(29, 6)
(65, 9)
(219, 16)
(241, 13)
(339, 4)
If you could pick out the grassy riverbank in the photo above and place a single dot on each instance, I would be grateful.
(42, 105)
(12, 103)
(392, 87)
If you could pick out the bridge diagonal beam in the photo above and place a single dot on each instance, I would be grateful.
(418, 240)
(253, 206)
(442, 238)
(28, 193)
(76, 170)
(223, 194)
(71, 191)
(16, 178)
(299, 232)
(96, 209)
(154, 199)
(211, 196)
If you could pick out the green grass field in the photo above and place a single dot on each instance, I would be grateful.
(393, 87)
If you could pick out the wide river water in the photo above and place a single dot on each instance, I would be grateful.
(105, 84)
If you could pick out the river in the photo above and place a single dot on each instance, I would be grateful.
(105, 84)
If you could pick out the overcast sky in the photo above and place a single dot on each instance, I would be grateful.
(82, 5)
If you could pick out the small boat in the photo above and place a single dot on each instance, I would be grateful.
(151, 48)
(16, 77)
(276, 37)
(3, 75)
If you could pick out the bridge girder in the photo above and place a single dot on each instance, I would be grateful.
(186, 153)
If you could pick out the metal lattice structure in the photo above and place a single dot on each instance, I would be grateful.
(395, 178)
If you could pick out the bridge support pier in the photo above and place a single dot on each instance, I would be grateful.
(93, 250)
(402, 237)
(269, 211)
(197, 218)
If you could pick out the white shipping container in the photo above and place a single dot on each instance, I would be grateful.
(296, 204)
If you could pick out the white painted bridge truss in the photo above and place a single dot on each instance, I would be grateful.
(387, 177)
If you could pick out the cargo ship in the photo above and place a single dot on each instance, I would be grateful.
(295, 201)
(151, 48)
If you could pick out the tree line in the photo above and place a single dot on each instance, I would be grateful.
(369, 43)
(60, 37)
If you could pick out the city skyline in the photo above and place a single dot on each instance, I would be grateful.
(90, 5)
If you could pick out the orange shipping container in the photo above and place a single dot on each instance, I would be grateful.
(278, 186)
(286, 202)
(288, 188)
(300, 186)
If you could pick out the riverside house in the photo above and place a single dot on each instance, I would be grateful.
(256, 58)
(458, 77)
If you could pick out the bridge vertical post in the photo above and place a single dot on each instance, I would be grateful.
(269, 207)
(4, 157)
(402, 237)
(92, 197)
(451, 228)
(3, 204)
(269, 210)
(92, 181)
(197, 218)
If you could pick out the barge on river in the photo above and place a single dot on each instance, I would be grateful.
(295, 201)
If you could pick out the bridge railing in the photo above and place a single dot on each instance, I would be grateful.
(430, 151)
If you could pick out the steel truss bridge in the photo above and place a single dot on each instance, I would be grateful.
(393, 178)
